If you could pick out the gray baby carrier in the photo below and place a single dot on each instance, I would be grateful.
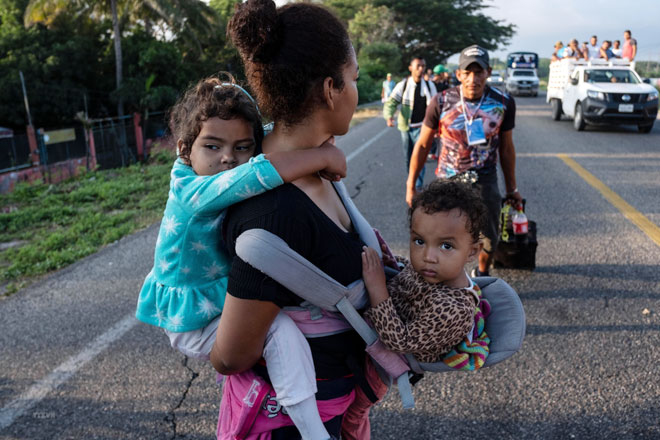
(267, 252)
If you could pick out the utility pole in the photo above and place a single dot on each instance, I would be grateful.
(25, 98)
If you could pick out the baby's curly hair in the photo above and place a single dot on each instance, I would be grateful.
(445, 195)
(212, 97)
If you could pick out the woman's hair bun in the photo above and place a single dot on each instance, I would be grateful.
(254, 30)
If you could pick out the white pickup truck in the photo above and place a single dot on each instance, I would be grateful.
(601, 92)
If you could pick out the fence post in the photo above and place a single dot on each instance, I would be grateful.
(92, 148)
(139, 141)
(34, 147)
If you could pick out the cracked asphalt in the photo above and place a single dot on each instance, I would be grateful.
(588, 369)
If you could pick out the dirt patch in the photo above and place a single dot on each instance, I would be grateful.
(366, 113)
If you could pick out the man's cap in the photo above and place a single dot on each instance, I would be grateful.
(440, 69)
(473, 54)
(389, 74)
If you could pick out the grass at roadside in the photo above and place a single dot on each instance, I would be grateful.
(46, 227)
(365, 113)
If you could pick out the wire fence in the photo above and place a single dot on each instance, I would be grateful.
(14, 153)
(115, 143)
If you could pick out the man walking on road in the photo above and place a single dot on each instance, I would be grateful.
(414, 93)
(475, 123)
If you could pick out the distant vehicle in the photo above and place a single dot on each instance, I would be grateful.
(522, 60)
(601, 92)
(522, 73)
(496, 79)
(522, 82)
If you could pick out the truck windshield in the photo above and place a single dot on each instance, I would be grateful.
(610, 76)
(523, 73)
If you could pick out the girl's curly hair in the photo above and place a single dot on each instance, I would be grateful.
(209, 98)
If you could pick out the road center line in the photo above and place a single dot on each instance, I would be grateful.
(23, 403)
(19, 406)
(636, 217)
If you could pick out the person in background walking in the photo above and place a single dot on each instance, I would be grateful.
(629, 51)
(475, 123)
(388, 85)
(413, 94)
(440, 78)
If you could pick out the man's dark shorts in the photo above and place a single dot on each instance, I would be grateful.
(490, 193)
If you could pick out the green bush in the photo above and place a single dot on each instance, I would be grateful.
(368, 89)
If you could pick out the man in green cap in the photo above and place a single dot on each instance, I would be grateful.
(441, 78)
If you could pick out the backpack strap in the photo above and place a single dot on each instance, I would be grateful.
(273, 256)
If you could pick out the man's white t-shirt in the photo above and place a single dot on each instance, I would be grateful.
(594, 51)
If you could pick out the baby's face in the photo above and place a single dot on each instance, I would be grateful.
(440, 246)
(221, 145)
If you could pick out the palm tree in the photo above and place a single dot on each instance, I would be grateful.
(186, 19)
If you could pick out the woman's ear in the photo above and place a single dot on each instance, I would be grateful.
(329, 93)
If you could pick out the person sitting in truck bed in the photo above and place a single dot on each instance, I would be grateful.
(605, 51)
(572, 51)
(559, 51)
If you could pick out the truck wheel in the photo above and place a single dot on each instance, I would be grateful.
(556, 109)
(645, 128)
(578, 119)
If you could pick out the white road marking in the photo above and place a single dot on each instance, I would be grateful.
(19, 406)
(367, 144)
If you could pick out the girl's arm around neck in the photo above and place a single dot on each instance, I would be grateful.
(294, 164)
(215, 193)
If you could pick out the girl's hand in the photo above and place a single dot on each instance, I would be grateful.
(374, 276)
(335, 161)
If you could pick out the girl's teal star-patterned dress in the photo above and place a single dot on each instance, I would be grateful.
(187, 286)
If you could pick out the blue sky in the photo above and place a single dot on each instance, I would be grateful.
(540, 23)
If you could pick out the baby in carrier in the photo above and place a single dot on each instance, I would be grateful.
(432, 309)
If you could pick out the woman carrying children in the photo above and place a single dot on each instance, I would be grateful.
(301, 65)
(219, 133)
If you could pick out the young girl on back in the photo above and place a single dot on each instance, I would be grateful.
(219, 130)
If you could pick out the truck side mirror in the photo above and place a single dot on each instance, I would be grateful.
(574, 81)
(646, 81)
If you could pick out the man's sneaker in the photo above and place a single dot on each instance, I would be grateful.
(475, 273)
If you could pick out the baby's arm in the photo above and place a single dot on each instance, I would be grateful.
(374, 276)
(428, 330)
(215, 193)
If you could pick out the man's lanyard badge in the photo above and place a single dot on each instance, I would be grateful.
(474, 127)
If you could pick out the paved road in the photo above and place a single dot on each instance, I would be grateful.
(74, 363)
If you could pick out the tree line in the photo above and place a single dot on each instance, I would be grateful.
(111, 57)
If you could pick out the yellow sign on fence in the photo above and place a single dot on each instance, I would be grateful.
(57, 136)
